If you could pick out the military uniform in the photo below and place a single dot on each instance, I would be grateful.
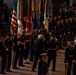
(8, 44)
(51, 54)
(71, 27)
(74, 26)
(68, 59)
(3, 56)
(63, 33)
(51, 26)
(42, 66)
(58, 29)
(74, 62)
(21, 55)
(59, 34)
(16, 53)
(26, 52)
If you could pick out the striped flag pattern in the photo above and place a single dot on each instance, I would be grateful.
(14, 19)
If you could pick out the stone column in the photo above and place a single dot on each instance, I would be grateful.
(71, 2)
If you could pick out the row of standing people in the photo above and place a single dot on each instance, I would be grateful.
(63, 29)
(49, 47)
(40, 45)
(51, 50)
(63, 26)
(13, 50)
(12, 53)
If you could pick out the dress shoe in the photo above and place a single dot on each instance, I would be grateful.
(33, 70)
(2, 73)
(22, 65)
(15, 68)
(27, 62)
(53, 70)
(8, 70)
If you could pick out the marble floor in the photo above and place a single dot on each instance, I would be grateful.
(27, 70)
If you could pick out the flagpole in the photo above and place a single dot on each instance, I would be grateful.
(45, 9)
(33, 5)
(28, 7)
(18, 9)
(28, 23)
(13, 26)
(42, 11)
(21, 9)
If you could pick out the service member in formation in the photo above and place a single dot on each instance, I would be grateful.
(51, 25)
(58, 34)
(16, 53)
(27, 44)
(21, 55)
(42, 67)
(74, 59)
(71, 27)
(58, 29)
(3, 55)
(52, 46)
(69, 57)
(8, 44)
(74, 25)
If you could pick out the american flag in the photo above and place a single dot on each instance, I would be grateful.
(14, 19)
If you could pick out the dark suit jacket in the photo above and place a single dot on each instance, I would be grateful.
(75, 52)
(69, 54)
(38, 46)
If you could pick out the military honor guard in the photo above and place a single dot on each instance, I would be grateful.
(8, 44)
(68, 58)
(74, 59)
(3, 55)
(52, 46)
(16, 53)
(42, 67)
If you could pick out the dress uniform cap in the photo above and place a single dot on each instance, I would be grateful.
(44, 54)
(44, 57)
(74, 41)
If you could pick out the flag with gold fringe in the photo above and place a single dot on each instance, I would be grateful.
(20, 29)
(19, 22)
